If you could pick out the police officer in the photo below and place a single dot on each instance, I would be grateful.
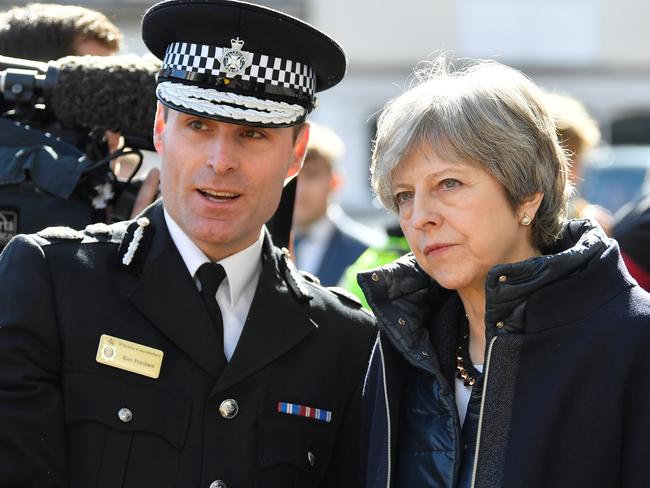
(182, 349)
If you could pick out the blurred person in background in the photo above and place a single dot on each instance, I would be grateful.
(513, 345)
(49, 31)
(395, 246)
(46, 31)
(632, 231)
(578, 133)
(326, 240)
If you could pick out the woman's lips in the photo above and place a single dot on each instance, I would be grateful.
(435, 249)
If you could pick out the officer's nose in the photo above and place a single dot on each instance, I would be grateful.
(222, 153)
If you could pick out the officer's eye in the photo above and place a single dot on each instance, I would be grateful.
(196, 124)
(253, 133)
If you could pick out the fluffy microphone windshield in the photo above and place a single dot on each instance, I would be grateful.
(106, 92)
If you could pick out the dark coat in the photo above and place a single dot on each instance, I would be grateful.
(59, 425)
(632, 232)
(342, 250)
(565, 395)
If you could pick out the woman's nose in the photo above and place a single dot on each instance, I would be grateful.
(425, 212)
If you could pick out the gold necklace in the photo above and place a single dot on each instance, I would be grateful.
(469, 374)
(461, 371)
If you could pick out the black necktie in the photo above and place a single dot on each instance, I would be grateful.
(211, 275)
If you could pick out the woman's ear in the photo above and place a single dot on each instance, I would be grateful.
(529, 206)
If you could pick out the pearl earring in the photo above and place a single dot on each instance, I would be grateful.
(526, 220)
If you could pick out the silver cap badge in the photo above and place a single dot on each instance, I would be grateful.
(234, 61)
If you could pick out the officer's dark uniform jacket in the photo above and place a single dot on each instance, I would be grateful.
(62, 417)
(566, 394)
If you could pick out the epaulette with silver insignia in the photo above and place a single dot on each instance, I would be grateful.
(348, 296)
(117, 231)
(135, 241)
(294, 278)
(61, 232)
(98, 229)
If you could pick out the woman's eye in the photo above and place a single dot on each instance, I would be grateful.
(403, 197)
(449, 184)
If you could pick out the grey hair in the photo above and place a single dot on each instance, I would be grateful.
(487, 114)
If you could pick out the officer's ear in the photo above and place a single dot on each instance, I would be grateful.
(159, 126)
(301, 139)
(336, 181)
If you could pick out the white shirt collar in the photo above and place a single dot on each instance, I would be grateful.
(240, 267)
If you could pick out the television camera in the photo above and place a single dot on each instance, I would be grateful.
(57, 166)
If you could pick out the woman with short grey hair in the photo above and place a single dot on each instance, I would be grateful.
(513, 344)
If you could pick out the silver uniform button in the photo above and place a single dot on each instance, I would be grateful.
(311, 457)
(125, 415)
(218, 484)
(229, 409)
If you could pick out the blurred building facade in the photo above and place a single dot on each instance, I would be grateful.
(595, 50)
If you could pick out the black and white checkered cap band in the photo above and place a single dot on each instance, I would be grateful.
(269, 70)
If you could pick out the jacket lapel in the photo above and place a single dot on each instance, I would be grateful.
(166, 294)
(277, 321)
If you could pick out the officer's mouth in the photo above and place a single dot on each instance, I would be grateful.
(218, 196)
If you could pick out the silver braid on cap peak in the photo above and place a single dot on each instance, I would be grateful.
(210, 102)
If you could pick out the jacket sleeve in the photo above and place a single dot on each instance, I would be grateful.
(32, 439)
(344, 468)
(635, 472)
(347, 466)
(376, 429)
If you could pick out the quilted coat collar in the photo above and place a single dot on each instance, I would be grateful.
(403, 296)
